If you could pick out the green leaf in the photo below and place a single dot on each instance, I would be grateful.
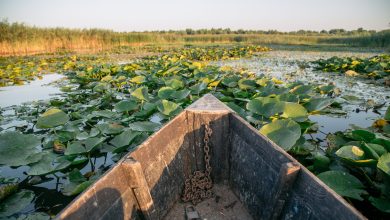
(17, 149)
(52, 118)
(381, 203)
(165, 92)
(265, 106)
(198, 88)
(124, 139)
(126, 105)
(363, 135)
(16, 203)
(294, 111)
(138, 79)
(182, 94)
(144, 126)
(168, 108)
(75, 176)
(387, 114)
(317, 104)
(73, 189)
(174, 84)
(110, 128)
(141, 93)
(34, 216)
(45, 165)
(84, 146)
(384, 163)
(245, 84)
(284, 133)
(350, 152)
(369, 152)
(302, 89)
(343, 184)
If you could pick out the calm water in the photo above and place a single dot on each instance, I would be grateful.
(39, 89)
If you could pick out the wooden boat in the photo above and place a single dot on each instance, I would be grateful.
(252, 177)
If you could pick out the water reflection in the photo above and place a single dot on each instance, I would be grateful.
(39, 89)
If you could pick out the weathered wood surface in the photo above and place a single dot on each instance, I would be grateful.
(256, 162)
(148, 181)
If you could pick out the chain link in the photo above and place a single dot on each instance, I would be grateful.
(197, 186)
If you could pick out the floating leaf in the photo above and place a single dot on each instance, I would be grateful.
(384, 163)
(317, 104)
(246, 84)
(387, 114)
(144, 126)
(34, 216)
(138, 79)
(73, 189)
(126, 105)
(44, 166)
(265, 106)
(17, 149)
(141, 93)
(182, 94)
(381, 204)
(16, 203)
(52, 118)
(294, 111)
(284, 133)
(174, 84)
(124, 138)
(110, 128)
(350, 152)
(168, 108)
(198, 88)
(165, 92)
(343, 184)
(363, 135)
(84, 146)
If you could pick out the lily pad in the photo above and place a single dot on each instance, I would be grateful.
(343, 184)
(17, 149)
(124, 138)
(363, 135)
(246, 84)
(84, 146)
(294, 111)
(52, 118)
(45, 165)
(73, 189)
(350, 152)
(384, 163)
(284, 133)
(16, 203)
(144, 126)
(317, 104)
(141, 93)
(168, 108)
(126, 105)
(381, 204)
(165, 92)
(265, 106)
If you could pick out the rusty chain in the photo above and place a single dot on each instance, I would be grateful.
(197, 186)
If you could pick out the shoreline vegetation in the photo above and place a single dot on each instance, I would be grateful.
(19, 39)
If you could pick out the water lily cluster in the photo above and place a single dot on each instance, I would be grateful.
(108, 109)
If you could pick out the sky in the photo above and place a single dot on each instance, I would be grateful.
(141, 15)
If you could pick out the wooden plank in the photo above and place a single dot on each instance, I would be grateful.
(287, 175)
(315, 199)
(133, 170)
